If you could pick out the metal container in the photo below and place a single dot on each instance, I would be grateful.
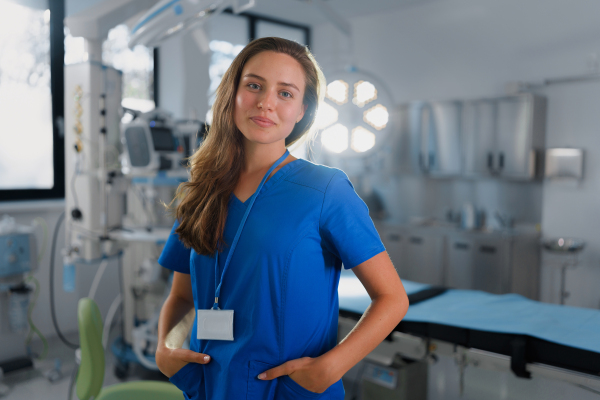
(564, 163)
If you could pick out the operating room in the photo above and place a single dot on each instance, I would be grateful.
(468, 128)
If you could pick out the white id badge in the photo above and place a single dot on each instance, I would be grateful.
(215, 324)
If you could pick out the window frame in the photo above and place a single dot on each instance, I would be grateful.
(253, 19)
(57, 88)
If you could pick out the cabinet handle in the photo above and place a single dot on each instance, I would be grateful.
(461, 246)
(487, 249)
(416, 240)
(501, 160)
(394, 237)
(490, 160)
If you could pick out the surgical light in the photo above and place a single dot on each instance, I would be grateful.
(364, 92)
(335, 138)
(337, 91)
(174, 29)
(326, 115)
(171, 17)
(359, 127)
(377, 117)
(362, 139)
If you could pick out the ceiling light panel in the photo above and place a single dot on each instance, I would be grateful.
(364, 92)
(326, 115)
(377, 117)
(337, 91)
(335, 138)
(362, 139)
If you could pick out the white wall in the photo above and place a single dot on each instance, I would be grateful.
(464, 49)
(183, 78)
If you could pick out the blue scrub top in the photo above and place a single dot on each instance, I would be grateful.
(281, 282)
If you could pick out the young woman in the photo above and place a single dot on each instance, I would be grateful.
(259, 243)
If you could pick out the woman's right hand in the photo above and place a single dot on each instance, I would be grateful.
(170, 361)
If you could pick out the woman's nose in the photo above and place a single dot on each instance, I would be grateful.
(267, 101)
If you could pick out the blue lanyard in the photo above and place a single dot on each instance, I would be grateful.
(239, 231)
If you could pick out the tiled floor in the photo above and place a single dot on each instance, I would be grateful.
(443, 380)
(32, 384)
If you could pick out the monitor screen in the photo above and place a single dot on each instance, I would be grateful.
(163, 139)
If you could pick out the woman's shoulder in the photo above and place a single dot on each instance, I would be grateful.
(314, 175)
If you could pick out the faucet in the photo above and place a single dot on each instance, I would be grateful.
(504, 220)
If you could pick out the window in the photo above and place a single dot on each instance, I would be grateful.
(137, 66)
(31, 87)
(228, 35)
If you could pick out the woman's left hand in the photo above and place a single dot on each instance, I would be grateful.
(310, 373)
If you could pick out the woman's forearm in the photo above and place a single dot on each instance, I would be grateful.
(380, 318)
(176, 318)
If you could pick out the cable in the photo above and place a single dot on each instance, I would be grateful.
(73, 381)
(52, 306)
(109, 319)
(97, 278)
(122, 348)
(122, 290)
(75, 173)
(32, 327)
(41, 221)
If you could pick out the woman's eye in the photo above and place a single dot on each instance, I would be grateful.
(286, 94)
(253, 86)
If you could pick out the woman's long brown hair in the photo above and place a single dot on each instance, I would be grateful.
(216, 166)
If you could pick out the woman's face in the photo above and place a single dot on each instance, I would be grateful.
(269, 98)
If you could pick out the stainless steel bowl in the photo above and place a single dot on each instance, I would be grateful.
(563, 245)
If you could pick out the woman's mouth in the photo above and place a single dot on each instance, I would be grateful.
(262, 122)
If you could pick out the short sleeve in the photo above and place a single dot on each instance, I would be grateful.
(346, 227)
(175, 255)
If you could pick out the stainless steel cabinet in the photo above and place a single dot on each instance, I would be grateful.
(491, 266)
(479, 262)
(478, 127)
(423, 257)
(504, 136)
(459, 261)
(520, 135)
(393, 238)
(434, 130)
(494, 263)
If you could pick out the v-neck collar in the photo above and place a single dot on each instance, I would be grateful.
(277, 176)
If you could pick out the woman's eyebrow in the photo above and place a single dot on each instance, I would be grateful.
(289, 85)
(254, 76)
(279, 83)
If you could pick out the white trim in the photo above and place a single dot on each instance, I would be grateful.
(32, 205)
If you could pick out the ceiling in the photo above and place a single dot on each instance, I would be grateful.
(306, 13)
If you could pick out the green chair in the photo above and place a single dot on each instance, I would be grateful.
(91, 370)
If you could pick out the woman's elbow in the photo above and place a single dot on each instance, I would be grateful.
(402, 308)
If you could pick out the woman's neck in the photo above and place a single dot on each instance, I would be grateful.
(260, 157)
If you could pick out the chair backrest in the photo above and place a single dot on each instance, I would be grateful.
(91, 370)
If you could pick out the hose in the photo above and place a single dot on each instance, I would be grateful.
(32, 327)
(97, 278)
(62, 337)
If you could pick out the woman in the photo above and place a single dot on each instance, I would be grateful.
(266, 313)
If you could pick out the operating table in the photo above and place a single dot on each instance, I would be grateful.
(486, 330)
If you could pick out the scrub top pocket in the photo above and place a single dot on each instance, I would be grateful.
(288, 389)
(282, 388)
(188, 379)
(259, 389)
